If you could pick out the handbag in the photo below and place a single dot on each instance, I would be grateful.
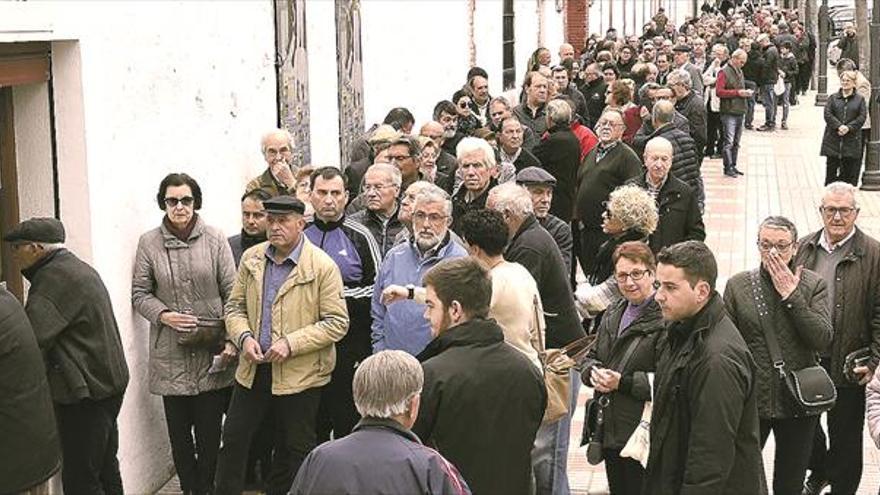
(556, 365)
(638, 446)
(209, 333)
(810, 389)
(779, 87)
(594, 428)
(858, 357)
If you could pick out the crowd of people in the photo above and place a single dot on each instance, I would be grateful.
(391, 326)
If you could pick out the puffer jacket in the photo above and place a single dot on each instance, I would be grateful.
(172, 275)
(309, 311)
(624, 409)
(851, 112)
(856, 319)
(801, 324)
(685, 156)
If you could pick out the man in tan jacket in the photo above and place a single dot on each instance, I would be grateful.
(285, 313)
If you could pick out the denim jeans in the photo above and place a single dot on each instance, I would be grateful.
(786, 102)
(731, 127)
(768, 95)
(750, 103)
(550, 453)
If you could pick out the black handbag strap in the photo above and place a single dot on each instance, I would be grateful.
(763, 317)
(628, 354)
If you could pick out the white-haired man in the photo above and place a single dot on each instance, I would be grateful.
(532, 247)
(279, 177)
(479, 172)
(382, 454)
(403, 326)
(849, 261)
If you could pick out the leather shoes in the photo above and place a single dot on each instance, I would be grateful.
(731, 173)
(738, 171)
(814, 486)
(764, 128)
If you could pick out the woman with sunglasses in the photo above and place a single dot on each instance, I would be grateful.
(182, 276)
(468, 121)
(617, 368)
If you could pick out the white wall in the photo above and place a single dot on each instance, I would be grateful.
(146, 88)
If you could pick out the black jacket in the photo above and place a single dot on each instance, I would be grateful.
(801, 324)
(770, 69)
(694, 110)
(856, 318)
(597, 180)
(646, 131)
(685, 158)
(482, 404)
(679, 215)
(704, 428)
(30, 448)
(560, 154)
(624, 411)
(384, 231)
(72, 316)
(561, 233)
(446, 163)
(242, 242)
(851, 112)
(379, 456)
(525, 159)
(849, 48)
(603, 267)
(789, 65)
(594, 94)
(753, 70)
(460, 206)
(533, 248)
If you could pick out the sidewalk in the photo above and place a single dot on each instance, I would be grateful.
(784, 175)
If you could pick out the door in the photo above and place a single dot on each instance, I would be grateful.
(9, 212)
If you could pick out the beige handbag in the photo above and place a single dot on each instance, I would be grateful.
(557, 365)
(639, 444)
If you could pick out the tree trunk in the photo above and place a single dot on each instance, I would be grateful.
(862, 30)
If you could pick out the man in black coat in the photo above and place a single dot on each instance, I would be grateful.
(30, 450)
(690, 104)
(510, 145)
(594, 94)
(609, 165)
(704, 429)
(72, 316)
(559, 153)
(483, 400)
(540, 185)
(679, 214)
(769, 75)
(253, 223)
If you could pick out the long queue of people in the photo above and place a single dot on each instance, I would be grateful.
(388, 326)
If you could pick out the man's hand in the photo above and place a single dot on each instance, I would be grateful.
(179, 321)
(783, 279)
(865, 372)
(229, 353)
(394, 293)
(746, 93)
(279, 351)
(605, 380)
(842, 130)
(281, 171)
(252, 350)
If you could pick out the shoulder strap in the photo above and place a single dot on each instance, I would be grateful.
(628, 354)
(763, 317)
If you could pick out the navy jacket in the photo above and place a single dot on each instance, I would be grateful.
(379, 456)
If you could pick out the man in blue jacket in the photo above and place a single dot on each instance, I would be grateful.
(403, 326)
(381, 455)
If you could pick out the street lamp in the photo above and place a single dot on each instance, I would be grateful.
(824, 33)
(871, 177)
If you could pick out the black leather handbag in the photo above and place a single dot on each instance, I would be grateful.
(810, 389)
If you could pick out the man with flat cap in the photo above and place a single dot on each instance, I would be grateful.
(72, 318)
(540, 184)
(285, 313)
(681, 58)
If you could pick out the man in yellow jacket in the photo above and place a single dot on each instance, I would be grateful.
(285, 313)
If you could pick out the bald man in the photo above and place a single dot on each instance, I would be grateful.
(680, 217)
(446, 162)
(566, 52)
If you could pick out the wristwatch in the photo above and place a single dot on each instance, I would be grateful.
(410, 291)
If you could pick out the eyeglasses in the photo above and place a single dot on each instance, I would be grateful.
(463, 104)
(398, 158)
(779, 246)
(173, 202)
(634, 275)
(831, 211)
(376, 187)
(280, 151)
(434, 218)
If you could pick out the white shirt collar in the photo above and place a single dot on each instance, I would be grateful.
(823, 241)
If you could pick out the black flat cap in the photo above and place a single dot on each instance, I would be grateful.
(535, 176)
(682, 48)
(282, 205)
(48, 230)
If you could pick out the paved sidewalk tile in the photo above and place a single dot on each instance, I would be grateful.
(784, 175)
